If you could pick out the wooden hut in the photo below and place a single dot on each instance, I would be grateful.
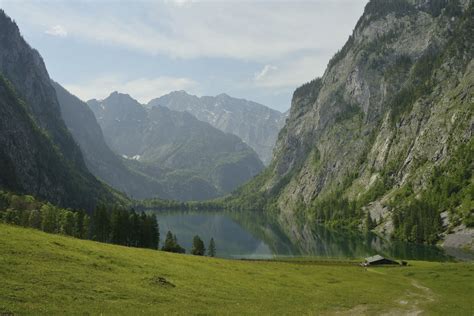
(378, 260)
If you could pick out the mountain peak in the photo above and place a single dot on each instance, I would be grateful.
(122, 98)
(223, 96)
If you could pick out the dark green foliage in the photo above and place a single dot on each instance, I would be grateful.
(41, 169)
(149, 231)
(118, 226)
(375, 191)
(377, 9)
(453, 8)
(309, 91)
(435, 7)
(335, 210)
(400, 67)
(249, 197)
(26, 211)
(450, 189)
(417, 221)
(348, 112)
(101, 224)
(211, 250)
(123, 227)
(419, 85)
(198, 246)
(171, 244)
(341, 53)
(168, 205)
(347, 109)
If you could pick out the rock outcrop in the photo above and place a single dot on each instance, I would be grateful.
(391, 116)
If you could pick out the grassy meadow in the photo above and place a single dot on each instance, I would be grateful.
(50, 274)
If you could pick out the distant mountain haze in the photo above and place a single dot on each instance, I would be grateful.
(100, 159)
(256, 124)
(191, 158)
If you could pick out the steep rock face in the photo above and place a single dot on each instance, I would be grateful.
(256, 124)
(394, 105)
(25, 69)
(39, 156)
(191, 158)
(99, 158)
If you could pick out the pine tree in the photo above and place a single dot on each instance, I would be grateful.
(101, 224)
(169, 242)
(155, 232)
(198, 246)
(211, 251)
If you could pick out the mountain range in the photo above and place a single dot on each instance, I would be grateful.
(256, 124)
(192, 159)
(54, 147)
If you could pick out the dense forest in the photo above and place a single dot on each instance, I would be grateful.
(107, 224)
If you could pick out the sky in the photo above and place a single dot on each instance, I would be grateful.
(256, 50)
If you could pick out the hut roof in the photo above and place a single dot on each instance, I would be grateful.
(374, 258)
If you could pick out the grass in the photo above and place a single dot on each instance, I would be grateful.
(50, 274)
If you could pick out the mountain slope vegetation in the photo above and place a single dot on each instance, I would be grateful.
(386, 133)
(37, 153)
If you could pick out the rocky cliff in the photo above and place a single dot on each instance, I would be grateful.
(38, 154)
(256, 124)
(386, 132)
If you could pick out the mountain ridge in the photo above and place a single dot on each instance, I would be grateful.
(29, 100)
(256, 124)
(187, 153)
(376, 134)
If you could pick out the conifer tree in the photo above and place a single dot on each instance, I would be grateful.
(211, 251)
(198, 246)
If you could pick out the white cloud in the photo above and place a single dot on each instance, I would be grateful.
(179, 3)
(292, 73)
(258, 31)
(142, 89)
(264, 72)
(57, 30)
(284, 42)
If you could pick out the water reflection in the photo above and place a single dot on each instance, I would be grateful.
(254, 235)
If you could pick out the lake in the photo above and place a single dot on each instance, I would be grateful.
(256, 236)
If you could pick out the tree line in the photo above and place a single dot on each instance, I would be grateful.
(111, 225)
(171, 245)
(106, 224)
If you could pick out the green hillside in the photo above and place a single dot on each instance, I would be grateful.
(50, 274)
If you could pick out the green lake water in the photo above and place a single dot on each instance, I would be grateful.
(253, 235)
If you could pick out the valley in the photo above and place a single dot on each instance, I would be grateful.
(76, 276)
(134, 181)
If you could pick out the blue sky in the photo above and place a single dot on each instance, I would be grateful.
(257, 50)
